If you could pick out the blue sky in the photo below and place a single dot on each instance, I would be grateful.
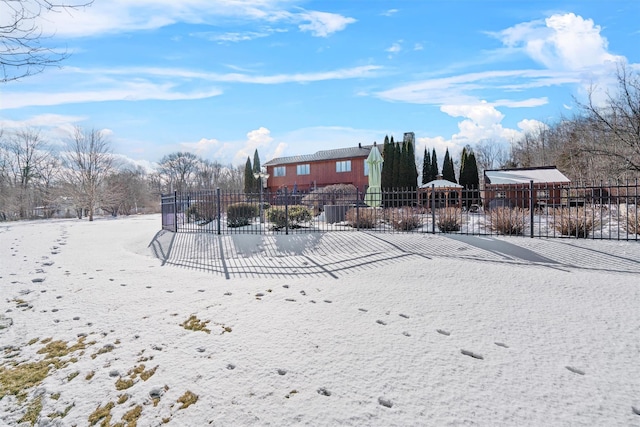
(223, 78)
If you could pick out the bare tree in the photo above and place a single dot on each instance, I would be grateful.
(616, 124)
(22, 53)
(26, 154)
(490, 154)
(180, 170)
(88, 163)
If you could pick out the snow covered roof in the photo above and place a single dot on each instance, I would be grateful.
(441, 183)
(525, 175)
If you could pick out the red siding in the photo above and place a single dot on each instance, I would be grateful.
(321, 173)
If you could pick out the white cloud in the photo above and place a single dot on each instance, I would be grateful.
(561, 42)
(202, 147)
(117, 16)
(418, 46)
(258, 138)
(322, 24)
(389, 12)
(395, 47)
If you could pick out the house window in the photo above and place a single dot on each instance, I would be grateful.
(280, 171)
(542, 194)
(303, 169)
(366, 168)
(343, 166)
(501, 194)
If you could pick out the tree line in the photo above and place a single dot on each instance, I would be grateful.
(42, 179)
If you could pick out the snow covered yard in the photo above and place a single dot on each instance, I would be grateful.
(115, 322)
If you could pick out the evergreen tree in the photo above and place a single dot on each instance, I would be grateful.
(249, 179)
(463, 172)
(447, 168)
(434, 165)
(387, 167)
(256, 169)
(410, 171)
(426, 166)
(397, 161)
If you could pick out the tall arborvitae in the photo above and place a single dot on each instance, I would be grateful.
(397, 161)
(256, 169)
(434, 165)
(447, 168)
(387, 167)
(463, 172)
(409, 170)
(426, 166)
(471, 167)
(249, 180)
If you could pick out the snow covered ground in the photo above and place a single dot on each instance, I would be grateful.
(346, 328)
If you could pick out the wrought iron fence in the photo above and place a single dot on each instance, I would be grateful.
(596, 211)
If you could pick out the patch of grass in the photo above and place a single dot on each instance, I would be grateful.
(61, 414)
(187, 399)
(166, 420)
(106, 349)
(55, 396)
(148, 373)
(33, 412)
(33, 341)
(226, 329)
(131, 417)
(123, 398)
(72, 375)
(15, 381)
(59, 348)
(123, 384)
(195, 324)
(90, 375)
(101, 413)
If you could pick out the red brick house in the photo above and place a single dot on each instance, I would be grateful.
(511, 187)
(307, 172)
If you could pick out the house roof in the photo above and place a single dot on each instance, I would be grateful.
(336, 154)
(441, 183)
(525, 175)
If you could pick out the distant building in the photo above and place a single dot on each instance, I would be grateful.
(307, 172)
(511, 187)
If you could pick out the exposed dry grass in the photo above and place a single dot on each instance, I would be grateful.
(195, 324)
(404, 219)
(187, 399)
(631, 219)
(33, 412)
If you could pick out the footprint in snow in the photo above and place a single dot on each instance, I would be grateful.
(381, 322)
(385, 402)
(324, 392)
(472, 354)
(290, 300)
(501, 344)
(403, 315)
(575, 370)
(328, 301)
(443, 332)
(364, 310)
(282, 372)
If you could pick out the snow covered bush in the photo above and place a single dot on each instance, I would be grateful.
(362, 217)
(577, 222)
(240, 214)
(449, 219)
(508, 221)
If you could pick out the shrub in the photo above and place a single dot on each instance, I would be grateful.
(240, 214)
(449, 219)
(298, 214)
(362, 217)
(577, 222)
(202, 211)
(404, 219)
(631, 218)
(336, 194)
(508, 221)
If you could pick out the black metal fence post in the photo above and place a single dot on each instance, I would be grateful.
(358, 209)
(286, 210)
(175, 211)
(433, 208)
(531, 207)
(218, 210)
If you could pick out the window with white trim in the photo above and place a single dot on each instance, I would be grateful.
(303, 169)
(343, 166)
(280, 171)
